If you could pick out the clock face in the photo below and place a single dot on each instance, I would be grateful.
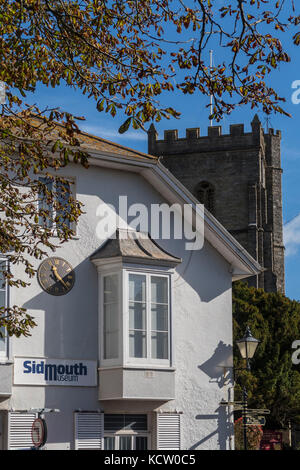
(56, 276)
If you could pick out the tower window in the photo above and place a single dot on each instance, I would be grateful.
(205, 193)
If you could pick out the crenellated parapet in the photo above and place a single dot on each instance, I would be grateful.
(214, 139)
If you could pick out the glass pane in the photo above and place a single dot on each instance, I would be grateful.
(111, 345)
(2, 340)
(111, 288)
(44, 205)
(124, 442)
(109, 443)
(2, 279)
(63, 193)
(159, 317)
(159, 345)
(137, 343)
(141, 443)
(2, 298)
(137, 316)
(111, 318)
(159, 290)
(118, 422)
(137, 288)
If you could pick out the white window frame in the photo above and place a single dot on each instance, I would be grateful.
(131, 434)
(124, 360)
(73, 192)
(118, 360)
(147, 361)
(4, 355)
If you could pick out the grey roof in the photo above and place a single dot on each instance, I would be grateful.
(137, 247)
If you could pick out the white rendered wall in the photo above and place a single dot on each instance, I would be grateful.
(67, 325)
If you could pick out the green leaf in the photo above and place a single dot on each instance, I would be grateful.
(125, 126)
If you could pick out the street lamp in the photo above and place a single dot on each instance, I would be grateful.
(247, 346)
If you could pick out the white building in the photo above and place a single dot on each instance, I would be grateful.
(137, 353)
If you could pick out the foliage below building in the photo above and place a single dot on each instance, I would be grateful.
(274, 381)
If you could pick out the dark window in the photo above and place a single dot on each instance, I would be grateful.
(141, 443)
(109, 443)
(116, 422)
(63, 192)
(205, 193)
(46, 206)
(60, 192)
(3, 304)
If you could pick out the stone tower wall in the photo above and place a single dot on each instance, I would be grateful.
(245, 171)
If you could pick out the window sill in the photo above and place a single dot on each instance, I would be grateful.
(139, 367)
(75, 237)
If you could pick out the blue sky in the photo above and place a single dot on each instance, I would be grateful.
(195, 114)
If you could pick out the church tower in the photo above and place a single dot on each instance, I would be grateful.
(237, 176)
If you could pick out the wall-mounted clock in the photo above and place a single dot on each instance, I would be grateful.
(56, 276)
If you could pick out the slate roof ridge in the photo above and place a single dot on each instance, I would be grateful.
(90, 140)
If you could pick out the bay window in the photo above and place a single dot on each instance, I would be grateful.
(148, 316)
(135, 311)
(135, 314)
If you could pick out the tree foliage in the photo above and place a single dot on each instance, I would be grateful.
(30, 158)
(125, 54)
(126, 57)
(273, 382)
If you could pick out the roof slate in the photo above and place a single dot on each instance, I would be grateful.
(136, 247)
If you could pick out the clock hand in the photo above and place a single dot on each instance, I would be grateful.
(54, 269)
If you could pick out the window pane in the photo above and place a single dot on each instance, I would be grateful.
(2, 340)
(137, 288)
(2, 304)
(159, 289)
(159, 345)
(119, 422)
(137, 343)
(159, 317)
(62, 194)
(137, 316)
(124, 442)
(111, 289)
(111, 320)
(2, 298)
(111, 317)
(111, 345)
(141, 443)
(2, 279)
(44, 205)
(109, 443)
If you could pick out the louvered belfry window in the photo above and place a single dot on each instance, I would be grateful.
(19, 430)
(168, 431)
(89, 431)
(205, 193)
